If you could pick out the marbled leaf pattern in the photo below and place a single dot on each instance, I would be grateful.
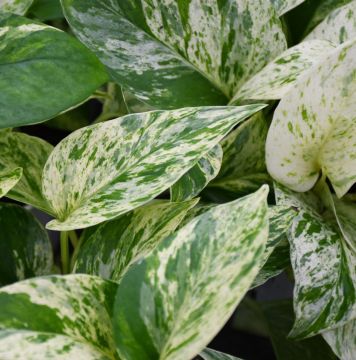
(72, 313)
(210, 354)
(18, 7)
(110, 249)
(179, 53)
(283, 6)
(314, 123)
(102, 171)
(199, 176)
(8, 179)
(184, 292)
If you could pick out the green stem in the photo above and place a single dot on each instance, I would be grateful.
(64, 252)
(73, 238)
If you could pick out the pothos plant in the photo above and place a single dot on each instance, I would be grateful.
(225, 154)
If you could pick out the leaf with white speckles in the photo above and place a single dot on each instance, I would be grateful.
(324, 268)
(338, 27)
(110, 249)
(25, 249)
(102, 171)
(243, 168)
(44, 71)
(210, 354)
(279, 76)
(314, 124)
(8, 179)
(173, 54)
(343, 340)
(18, 7)
(199, 176)
(30, 154)
(283, 6)
(74, 309)
(185, 291)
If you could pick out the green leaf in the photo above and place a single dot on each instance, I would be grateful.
(343, 340)
(126, 162)
(66, 314)
(8, 179)
(111, 248)
(210, 354)
(44, 72)
(324, 268)
(170, 305)
(283, 6)
(280, 75)
(18, 7)
(243, 168)
(314, 123)
(338, 27)
(181, 53)
(29, 153)
(46, 10)
(25, 249)
(199, 176)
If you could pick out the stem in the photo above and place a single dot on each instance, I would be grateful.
(64, 252)
(73, 238)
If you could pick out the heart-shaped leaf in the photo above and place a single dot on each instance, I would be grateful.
(176, 54)
(314, 125)
(25, 249)
(8, 179)
(110, 249)
(18, 7)
(102, 171)
(44, 71)
(170, 305)
(30, 154)
(68, 316)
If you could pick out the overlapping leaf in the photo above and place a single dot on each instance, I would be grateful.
(283, 6)
(314, 123)
(18, 7)
(199, 176)
(44, 71)
(339, 26)
(110, 249)
(183, 293)
(104, 170)
(68, 317)
(180, 53)
(30, 154)
(8, 179)
(210, 354)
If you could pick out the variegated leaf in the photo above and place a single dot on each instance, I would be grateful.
(18, 7)
(172, 54)
(210, 354)
(110, 249)
(243, 168)
(30, 154)
(44, 71)
(283, 6)
(324, 268)
(338, 27)
(8, 179)
(102, 171)
(25, 249)
(199, 176)
(343, 340)
(74, 309)
(279, 76)
(314, 123)
(184, 292)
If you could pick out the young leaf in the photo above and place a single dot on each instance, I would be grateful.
(110, 249)
(30, 154)
(199, 176)
(170, 305)
(8, 179)
(210, 354)
(18, 7)
(283, 6)
(102, 171)
(324, 269)
(338, 27)
(176, 54)
(44, 71)
(279, 76)
(314, 123)
(25, 249)
(66, 314)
